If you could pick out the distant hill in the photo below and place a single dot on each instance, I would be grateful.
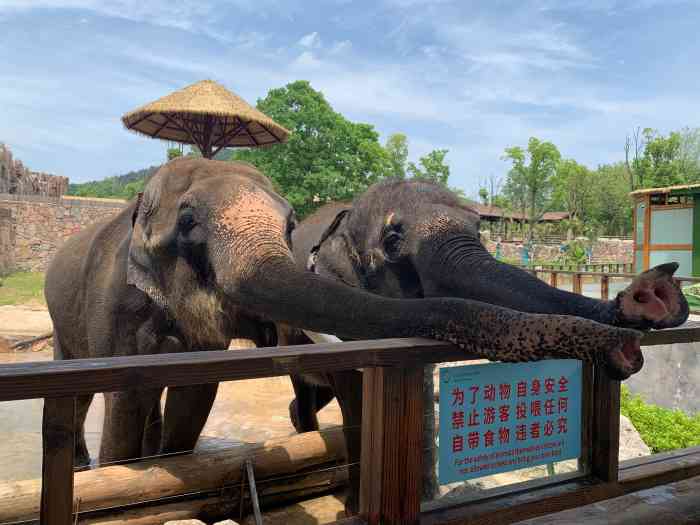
(122, 186)
(119, 186)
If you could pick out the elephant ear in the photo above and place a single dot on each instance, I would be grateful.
(313, 256)
(139, 262)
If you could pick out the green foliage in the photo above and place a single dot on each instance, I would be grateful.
(529, 183)
(174, 153)
(610, 207)
(667, 160)
(431, 167)
(397, 150)
(575, 253)
(572, 188)
(327, 157)
(22, 288)
(660, 428)
(118, 187)
(692, 295)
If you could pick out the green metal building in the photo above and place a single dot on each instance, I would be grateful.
(667, 228)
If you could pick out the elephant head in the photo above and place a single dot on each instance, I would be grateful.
(211, 244)
(417, 239)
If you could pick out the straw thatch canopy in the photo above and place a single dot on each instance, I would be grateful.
(207, 115)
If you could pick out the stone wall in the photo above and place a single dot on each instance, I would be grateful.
(6, 241)
(36, 226)
(603, 250)
(16, 179)
(670, 377)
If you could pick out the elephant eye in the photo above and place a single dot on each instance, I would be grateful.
(392, 246)
(185, 221)
(291, 225)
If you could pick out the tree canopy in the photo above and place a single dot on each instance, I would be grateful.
(431, 167)
(327, 158)
(397, 150)
(529, 179)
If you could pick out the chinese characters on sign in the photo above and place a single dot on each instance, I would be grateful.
(500, 417)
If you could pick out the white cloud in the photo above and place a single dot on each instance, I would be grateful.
(340, 47)
(306, 60)
(311, 41)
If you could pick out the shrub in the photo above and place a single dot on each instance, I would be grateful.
(661, 428)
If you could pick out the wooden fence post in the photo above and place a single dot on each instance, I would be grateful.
(553, 279)
(392, 446)
(577, 283)
(58, 434)
(605, 287)
(606, 426)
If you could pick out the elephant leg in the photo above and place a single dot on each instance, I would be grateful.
(82, 456)
(347, 386)
(153, 431)
(186, 412)
(302, 409)
(324, 395)
(125, 421)
(81, 460)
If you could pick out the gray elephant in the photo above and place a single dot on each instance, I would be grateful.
(415, 239)
(385, 242)
(205, 256)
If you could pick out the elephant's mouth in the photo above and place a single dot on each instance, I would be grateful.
(621, 363)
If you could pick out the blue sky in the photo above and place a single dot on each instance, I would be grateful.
(472, 77)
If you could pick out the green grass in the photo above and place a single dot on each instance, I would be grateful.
(22, 288)
(660, 428)
(692, 294)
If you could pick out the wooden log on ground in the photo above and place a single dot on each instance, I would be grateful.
(226, 504)
(210, 469)
(29, 342)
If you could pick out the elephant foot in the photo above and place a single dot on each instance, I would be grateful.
(294, 414)
(301, 424)
(82, 464)
(352, 504)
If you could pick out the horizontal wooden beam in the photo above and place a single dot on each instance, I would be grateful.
(88, 376)
(670, 247)
(618, 275)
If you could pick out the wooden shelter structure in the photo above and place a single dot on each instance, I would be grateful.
(667, 228)
(208, 116)
(498, 218)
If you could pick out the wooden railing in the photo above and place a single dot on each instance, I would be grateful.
(609, 267)
(391, 475)
(577, 275)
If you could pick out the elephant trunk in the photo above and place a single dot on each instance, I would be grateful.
(282, 292)
(466, 269)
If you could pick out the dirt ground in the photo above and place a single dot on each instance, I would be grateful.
(25, 320)
(248, 411)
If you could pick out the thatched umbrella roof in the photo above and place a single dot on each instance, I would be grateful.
(207, 115)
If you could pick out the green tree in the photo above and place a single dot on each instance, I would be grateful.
(431, 167)
(327, 157)
(572, 189)
(397, 150)
(484, 196)
(132, 188)
(529, 183)
(174, 153)
(610, 208)
(659, 165)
